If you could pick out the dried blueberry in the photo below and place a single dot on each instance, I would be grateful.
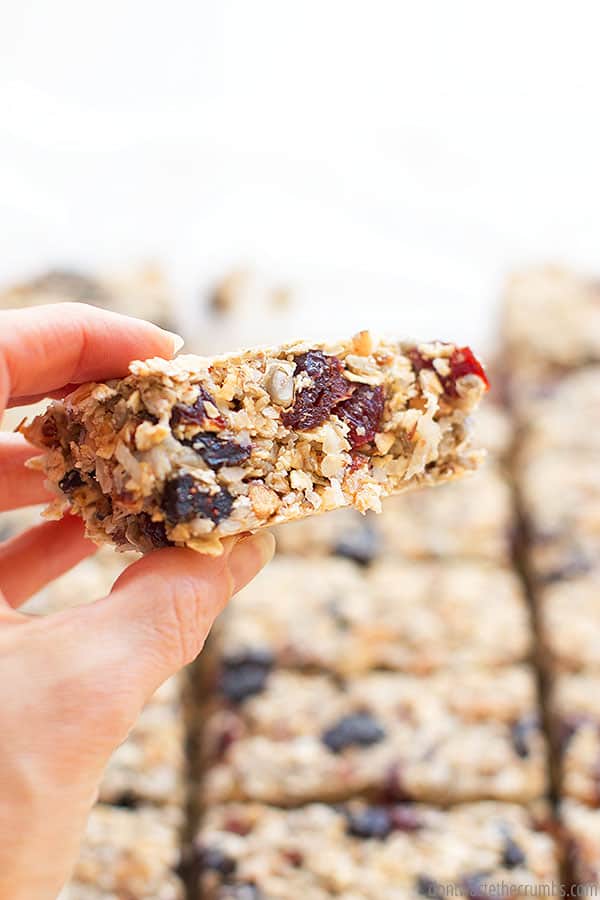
(194, 413)
(154, 531)
(360, 544)
(216, 451)
(244, 675)
(475, 886)
(429, 887)
(71, 481)
(512, 855)
(520, 732)
(359, 729)
(314, 404)
(372, 822)
(214, 859)
(183, 499)
(362, 412)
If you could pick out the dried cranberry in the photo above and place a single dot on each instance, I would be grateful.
(520, 732)
(372, 822)
(429, 887)
(71, 481)
(462, 362)
(405, 818)
(154, 531)
(216, 451)
(294, 857)
(195, 414)
(313, 405)
(360, 544)
(244, 675)
(362, 412)
(359, 729)
(512, 855)
(183, 499)
(394, 787)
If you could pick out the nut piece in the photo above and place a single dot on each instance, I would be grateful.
(264, 501)
(280, 385)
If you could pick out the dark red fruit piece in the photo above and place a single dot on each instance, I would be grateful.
(214, 859)
(314, 404)
(405, 818)
(183, 499)
(71, 481)
(360, 544)
(372, 822)
(429, 887)
(216, 451)
(362, 412)
(520, 732)
(294, 857)
(195, 414)
(512, 855)
(244, 675)
(359, 729)
(462, 362)
(154, 531)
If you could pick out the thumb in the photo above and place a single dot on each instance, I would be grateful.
(162, 607)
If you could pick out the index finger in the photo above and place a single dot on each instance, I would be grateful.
(45, 347)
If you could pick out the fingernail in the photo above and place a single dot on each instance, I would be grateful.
(178, 341)
(249, 556)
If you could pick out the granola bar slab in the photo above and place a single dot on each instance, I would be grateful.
(127, 854)
(472, 518)
(364, 852)
(195, 449)
(574, 706)
(581, 831)
(292, 738)
(569, 624)
(411, 617)
(141, 292)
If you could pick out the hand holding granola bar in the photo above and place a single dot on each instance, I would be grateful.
(73, 683)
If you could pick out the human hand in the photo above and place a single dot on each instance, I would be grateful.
(73, 683)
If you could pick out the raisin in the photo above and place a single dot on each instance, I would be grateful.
(362, 412)
(244, 675)
(474, 886)
(154, 531)
(183, 499)
(462, 362)
(195, 414)
(360, 544)
(512, 855)
(314, 404)
(429, 887)
(71, 481)
(359, 729)
(372, 822)
(520, 731)
(216, 451)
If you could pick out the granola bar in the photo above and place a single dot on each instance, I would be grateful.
(471, 517)
(141, 292)
(581, 829)
(364, 852)
(560, 497)
(415, 618)
(127, 854)
(574, 706)
(569, 624)
(189, 451)
(288, 738)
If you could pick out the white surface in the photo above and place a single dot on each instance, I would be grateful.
(391, 158)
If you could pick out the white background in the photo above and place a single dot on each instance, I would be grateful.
(391, 159)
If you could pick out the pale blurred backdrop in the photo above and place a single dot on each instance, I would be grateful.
(390, 160)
